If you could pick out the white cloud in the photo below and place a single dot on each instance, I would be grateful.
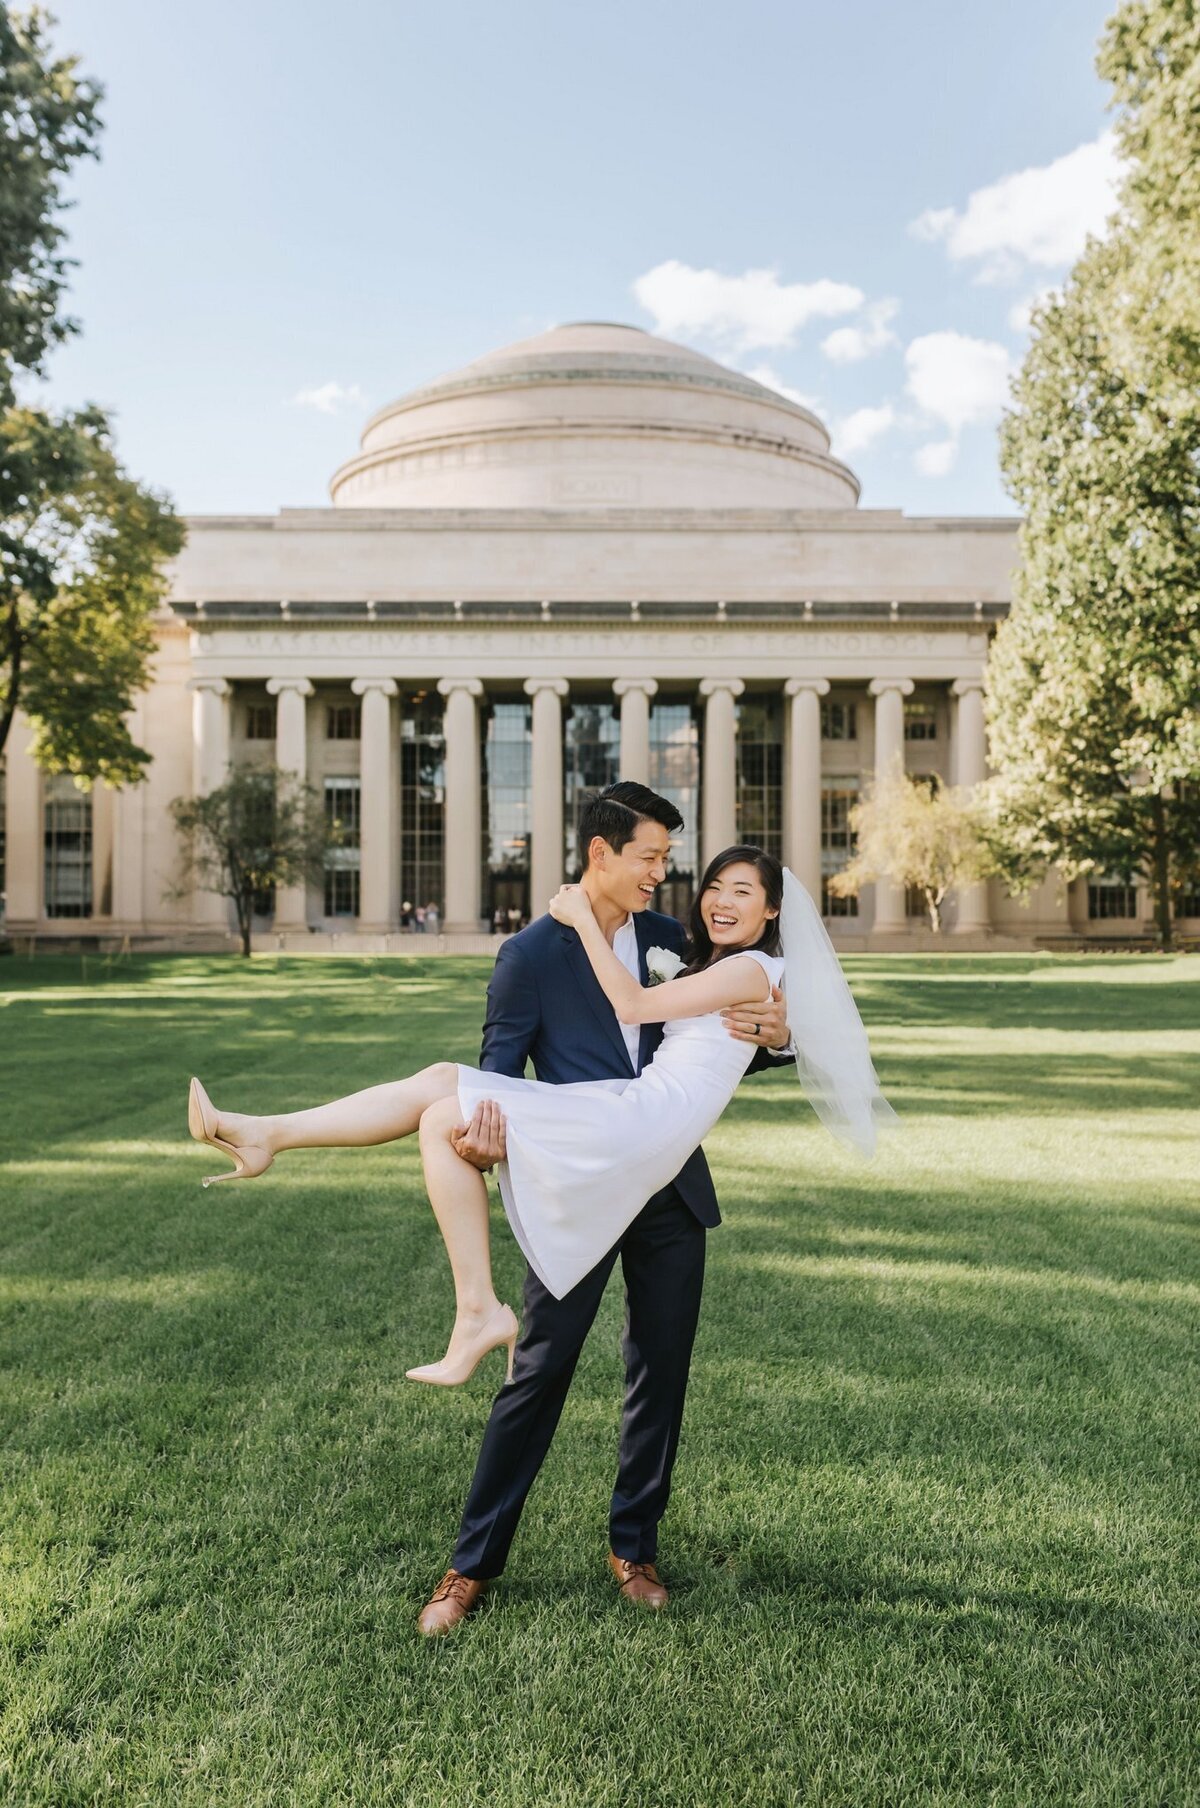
(1034, 216)
(850, 344)
(770, 379)
(860, 429)
(746, 311)
(957, 382)
(937, 458)
(956, 379)
(328, 398)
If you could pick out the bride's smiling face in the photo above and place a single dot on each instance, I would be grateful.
(734, 906)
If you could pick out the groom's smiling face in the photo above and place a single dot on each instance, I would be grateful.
(628, 877)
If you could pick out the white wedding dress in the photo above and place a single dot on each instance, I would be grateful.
(584, 1158)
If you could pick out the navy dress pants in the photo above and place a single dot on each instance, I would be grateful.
(662, 1260)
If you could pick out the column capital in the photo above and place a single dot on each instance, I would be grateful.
(623, 686)
(219, 687)
(360, 686)
(878, 686)
(794, 686)
(963, 687)
(710, 686)
(559, 686)
(303, 687)
(472, 686)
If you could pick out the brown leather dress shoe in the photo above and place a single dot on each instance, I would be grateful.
(639, 1582)
(450, 1602)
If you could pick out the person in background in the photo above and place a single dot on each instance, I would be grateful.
(433, 921)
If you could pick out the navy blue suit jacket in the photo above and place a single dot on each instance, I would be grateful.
(545, 1004)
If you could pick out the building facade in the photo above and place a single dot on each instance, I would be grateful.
(593, 554)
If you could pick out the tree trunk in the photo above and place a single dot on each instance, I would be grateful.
(244, 906)
(1161, 871)
(935, 915)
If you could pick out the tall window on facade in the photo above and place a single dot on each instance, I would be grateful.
(1110, 896)
(422, 797)
(1188, 906)
(760, 772)
(838, 798)
(506, 751)
(343, 721)
(591, 760)
(67, 830)
(260, 721)
(342, 863)
(675, 773)
(920, 721)
(839, 720)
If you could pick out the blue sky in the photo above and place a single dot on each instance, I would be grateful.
(300, 212)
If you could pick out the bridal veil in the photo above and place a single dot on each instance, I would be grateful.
(833, 1057)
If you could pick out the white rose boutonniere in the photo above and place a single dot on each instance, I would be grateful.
(662, 964)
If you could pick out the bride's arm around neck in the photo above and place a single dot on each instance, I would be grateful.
(728, 981)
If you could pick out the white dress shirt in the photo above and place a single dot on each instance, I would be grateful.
(624, 946)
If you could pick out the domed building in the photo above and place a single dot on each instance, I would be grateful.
(588, 555)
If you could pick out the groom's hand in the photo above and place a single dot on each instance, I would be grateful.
(763, 1024)
(481, 1142)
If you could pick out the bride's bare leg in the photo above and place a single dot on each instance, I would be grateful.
(378, 1114)
(458, 1194)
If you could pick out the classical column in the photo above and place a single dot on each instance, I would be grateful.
(803, 801)
(462, 830)
(719, 794)
(210, 761)
(889, 695)
(291, 755)
(23, 820)
(635, 695)
(970, 768)
(128, 906)
(375, 803)
(103, 811)
(546, 856)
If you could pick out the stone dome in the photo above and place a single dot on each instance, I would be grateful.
(594, 415)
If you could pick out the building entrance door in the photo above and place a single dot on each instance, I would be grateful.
(507, 893)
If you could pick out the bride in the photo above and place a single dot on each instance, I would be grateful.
(752, 924)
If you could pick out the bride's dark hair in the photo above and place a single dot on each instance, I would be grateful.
(700, 948)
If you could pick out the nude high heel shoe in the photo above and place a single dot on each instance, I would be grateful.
(202, 1122)
(501, 1327)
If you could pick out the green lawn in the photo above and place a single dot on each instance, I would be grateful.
(933, 1535)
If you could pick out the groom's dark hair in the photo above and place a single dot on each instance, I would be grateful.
(615, 812)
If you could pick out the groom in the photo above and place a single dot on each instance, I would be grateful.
(544, 1003)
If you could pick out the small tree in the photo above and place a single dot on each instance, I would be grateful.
(262, 828)
(915, 835)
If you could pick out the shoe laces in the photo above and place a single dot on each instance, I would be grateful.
(451, 1584)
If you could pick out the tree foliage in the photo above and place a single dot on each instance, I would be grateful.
(48, 121)
(916, 835)
(82, 546)
(263, 828)
(1094, 678)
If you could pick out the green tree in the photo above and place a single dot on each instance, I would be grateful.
(261, 829)
(82, 546)
(1094, 678)
(916, 834)
(48, 121)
